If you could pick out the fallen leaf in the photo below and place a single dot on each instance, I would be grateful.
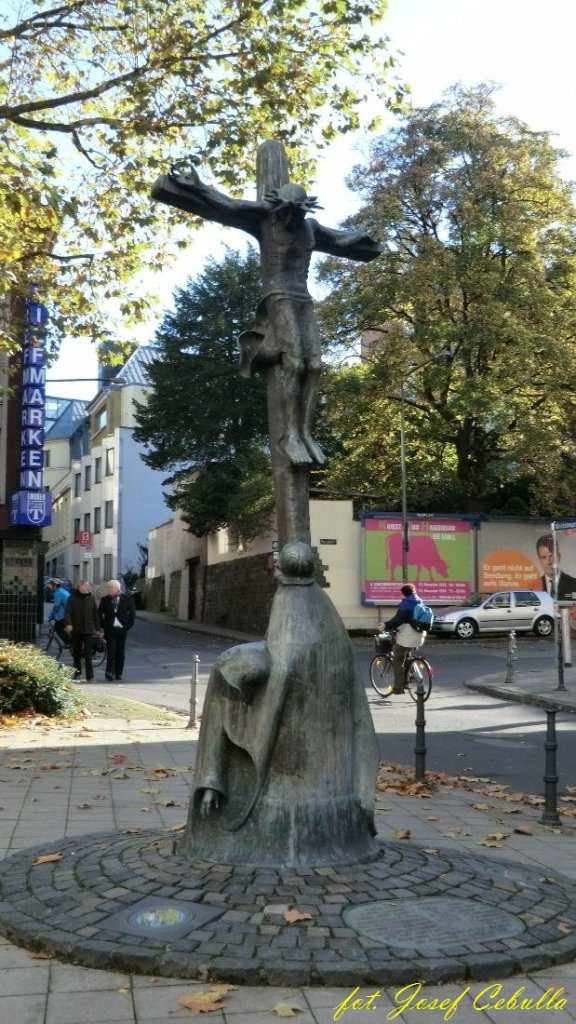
(287, 1010)
(204, 1002)
(118, 758)
(487, 842)
(149, 790)
(524, 830)
(564, 928)
(48, 858)
(83, 807)
(122, 991)
(402, 833)
(207, 1001)
(430, 849)
(482, 807)
(41, 956)
(293, 915)
(430, 817)
(498, 836)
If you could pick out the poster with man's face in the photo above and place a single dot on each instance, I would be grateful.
(521, 556)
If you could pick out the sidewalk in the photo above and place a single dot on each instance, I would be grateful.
(109, 775)
(531, 687)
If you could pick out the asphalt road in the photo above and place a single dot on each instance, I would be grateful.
(466, 732)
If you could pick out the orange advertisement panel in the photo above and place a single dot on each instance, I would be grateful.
(521, 557)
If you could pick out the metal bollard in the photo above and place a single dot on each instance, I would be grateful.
(193, 690)
(550, 814)
(511, 660)
(420, 748)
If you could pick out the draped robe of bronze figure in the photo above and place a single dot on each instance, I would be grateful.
(287, 753)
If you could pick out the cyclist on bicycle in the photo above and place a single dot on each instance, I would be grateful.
(58, 613)
(406, 636)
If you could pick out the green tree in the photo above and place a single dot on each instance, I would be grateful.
(97, 97)
(476, 285)
(203, 422)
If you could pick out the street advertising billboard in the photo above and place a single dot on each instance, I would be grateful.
(523, 559)
(439, 558)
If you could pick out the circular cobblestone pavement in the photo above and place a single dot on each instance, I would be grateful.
(129, 902)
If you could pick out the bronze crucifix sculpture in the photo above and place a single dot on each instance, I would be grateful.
(284, 341)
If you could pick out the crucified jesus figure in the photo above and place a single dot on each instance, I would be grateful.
(285, 332)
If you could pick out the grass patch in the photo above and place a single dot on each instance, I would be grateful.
(102, 705)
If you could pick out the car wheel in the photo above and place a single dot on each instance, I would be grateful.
(543, 626)
(466, 629)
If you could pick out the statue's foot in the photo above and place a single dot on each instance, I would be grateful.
(296, 451)
(314, 449)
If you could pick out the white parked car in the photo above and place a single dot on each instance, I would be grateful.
(520, 610)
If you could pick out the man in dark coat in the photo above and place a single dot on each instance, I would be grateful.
(116, 614)
(82, 623)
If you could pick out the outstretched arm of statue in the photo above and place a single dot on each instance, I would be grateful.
(188, 192)
(355, 245)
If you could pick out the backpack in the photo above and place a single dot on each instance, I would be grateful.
(422, 617)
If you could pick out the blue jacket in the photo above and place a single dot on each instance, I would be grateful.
(404, 612)
(61, 598)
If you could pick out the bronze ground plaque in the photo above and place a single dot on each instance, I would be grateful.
(431, 921)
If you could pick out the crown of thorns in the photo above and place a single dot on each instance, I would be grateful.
(291, 195)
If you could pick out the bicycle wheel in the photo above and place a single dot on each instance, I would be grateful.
(381, 674)
(99, 651)
(418, 670)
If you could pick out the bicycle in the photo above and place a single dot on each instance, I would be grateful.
(416, 669)
(99, 648)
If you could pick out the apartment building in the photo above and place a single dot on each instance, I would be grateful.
(107, 499)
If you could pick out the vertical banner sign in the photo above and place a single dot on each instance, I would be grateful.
(31, 504)
(439, 558)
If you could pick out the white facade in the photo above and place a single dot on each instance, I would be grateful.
(106, 499)
(335, 534)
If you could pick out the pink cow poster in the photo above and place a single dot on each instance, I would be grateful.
(439, 558)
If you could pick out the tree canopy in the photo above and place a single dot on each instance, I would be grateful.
(97, 97)
(201, 421)
(474, 306)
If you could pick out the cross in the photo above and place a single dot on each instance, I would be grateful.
(284, 342)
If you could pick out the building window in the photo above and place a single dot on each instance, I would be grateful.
(96, 578)
(109, 461)
(77, 484)
(107, 567)
(87, 477)
(87, 523)
(109, 514)
(76, 534)
(97, 470)
(97, 520)
(101, 419)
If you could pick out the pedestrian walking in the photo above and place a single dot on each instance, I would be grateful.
(82, 622)
(116, 615)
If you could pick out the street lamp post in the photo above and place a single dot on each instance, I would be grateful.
(403, 487)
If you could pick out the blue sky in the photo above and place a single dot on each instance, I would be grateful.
(526, 46)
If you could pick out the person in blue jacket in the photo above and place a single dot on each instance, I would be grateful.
(58, 612)
(406, 636)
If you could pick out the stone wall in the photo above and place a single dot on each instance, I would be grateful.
(174, 592)
(238, 594)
